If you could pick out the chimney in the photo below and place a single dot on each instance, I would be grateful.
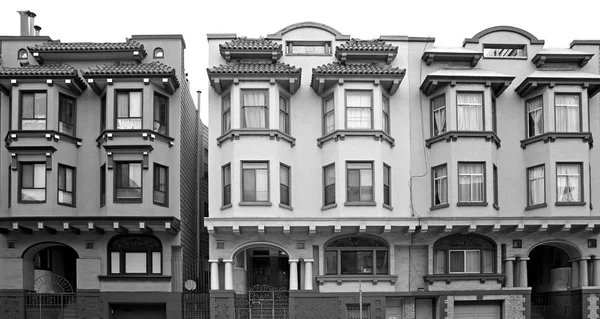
(37, 30)
(27, 25)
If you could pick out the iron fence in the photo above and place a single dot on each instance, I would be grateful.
(48, 305)
(196, 305)
(262, 302)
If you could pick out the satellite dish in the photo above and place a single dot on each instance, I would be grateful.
(190, 285)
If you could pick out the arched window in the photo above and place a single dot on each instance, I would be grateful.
(135, 254)
(464, 254)
(22, 55)
(356, 255)
(159, 53)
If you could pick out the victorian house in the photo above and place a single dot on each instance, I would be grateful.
(100, 213)
(390, 178)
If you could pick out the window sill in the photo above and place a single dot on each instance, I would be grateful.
(66, 205)
(439, 206)
(570, 203)
(31, 202)
(284, 206)
(452, 136)
(107, 135)
(536, 206)
(160, 204)
(226, 206)
(552, 136)
(482, 204)
(448, 278)
(360, 204)
(235, 134)
(133, 277)
(357, 278)
(255, 204)
(340, 135)
(388, 206)
(330, 206)
(56, 136)
(139, 201)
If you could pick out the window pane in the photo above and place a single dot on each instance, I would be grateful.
(135, 175)
(40, 105)
(39, 174)
(330, 175)
(156, 262)
(365, 262)
(284, 175)
(568, 183)
(27, 106)
(115, 262)
(457, 261)
(439, 266)
(382, 262)
(470, 113)
(472, 261)
(262, 185)
(537, 192)
(33, 194)
(135, 263)
(353, 185)
(535, 119)
(488, 261)
(331, 262)
(366, 187)
(254, 117)
(248, 186)
(255, 165)
(135, 104)
(254, 98)
(27, 175)
(349, 262)
(122, 104)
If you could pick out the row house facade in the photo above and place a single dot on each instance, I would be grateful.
(390, 178)
(100, 210)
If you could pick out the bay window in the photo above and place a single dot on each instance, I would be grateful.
(360, 181)
(129, 110)
(469, 111)
(135, 255)
(537, 185)
(33, 110)
(32, 182)
(359, 110)
(128, 182)
(66, 114)
(255, 181)
(535, 117)
(440, 185)
(66, 183)
(356, 255)
(464, 254)
(328, 115)
(254, 109)
(471, 182)
(438, 116)
(569, 183)
(568, 112)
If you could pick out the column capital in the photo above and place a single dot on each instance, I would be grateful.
(585, 258)
(213, 261)
(524, 258)
(510, 259)
(228, 260)
(306, 260)
(292, 260)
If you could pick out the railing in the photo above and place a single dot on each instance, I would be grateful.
(262, 302)
(196, 305)
(40, 305)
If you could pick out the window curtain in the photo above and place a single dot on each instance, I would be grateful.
(329, 116)
(366, 185)
(470, 182)
(358, 111)
(386, 114)
(536, 185)
(488, 261)
(457, 261)
(472, 261)
(567, 113)
(536, 123)
(135, 175)
(226, 113)
(254, 109)
(568, 183)
(470, 113)
(440, 262)
(441, 185)
(439, 115)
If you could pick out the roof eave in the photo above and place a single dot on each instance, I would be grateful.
(319, 81)
(580, 58)
(434, 82)
(222, 81)
(473, 58)
(532, 83)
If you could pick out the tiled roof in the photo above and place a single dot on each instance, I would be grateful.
(55, 46)
(254, 68)
(153, 68)
(250, 44)
(358, 69)
(366, 45)
(40, 70)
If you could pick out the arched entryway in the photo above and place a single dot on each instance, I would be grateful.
(50, 275)
(552, 270)
(261, 264)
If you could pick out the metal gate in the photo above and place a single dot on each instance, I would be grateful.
(262, 302)
(555, 306)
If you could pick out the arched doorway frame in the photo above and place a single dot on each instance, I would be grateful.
(571, 249)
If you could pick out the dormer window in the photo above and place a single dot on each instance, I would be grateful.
(22, 55)
(504, 51)
(159, 53)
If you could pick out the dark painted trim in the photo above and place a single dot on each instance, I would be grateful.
(235, 134)
(452, 136)
(552, 136)
(340, 135)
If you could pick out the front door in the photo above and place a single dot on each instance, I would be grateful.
(268, 267)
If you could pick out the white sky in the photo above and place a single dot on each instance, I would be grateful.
(449, 21)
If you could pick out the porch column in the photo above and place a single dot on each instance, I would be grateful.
(523, 272)
(508, 272)
(228, 274)
(596, 271)
(293, 274)
(583, 271)
(308, 280)
(214, 274)
(574, 273)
